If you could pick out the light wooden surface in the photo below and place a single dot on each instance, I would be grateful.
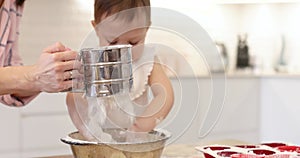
(181, 150)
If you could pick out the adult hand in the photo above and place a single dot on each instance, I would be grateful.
(52, 73)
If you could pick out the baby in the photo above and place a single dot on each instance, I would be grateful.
(127, 22)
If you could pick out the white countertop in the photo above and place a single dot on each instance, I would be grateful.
(243, 75)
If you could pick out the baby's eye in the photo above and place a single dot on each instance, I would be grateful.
(113, 42)
(133, 43)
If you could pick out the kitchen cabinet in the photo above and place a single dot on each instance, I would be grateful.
(254, 1)
(47, 135)
(43, 122)
(35, 130)
(280, 109)
(239, 118)
(10, 131)
(257, 108)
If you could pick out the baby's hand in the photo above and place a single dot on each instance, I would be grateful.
(145, 124)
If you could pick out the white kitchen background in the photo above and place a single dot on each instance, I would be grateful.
(266, 25)
(29, 131)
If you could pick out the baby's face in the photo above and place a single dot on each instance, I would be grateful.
(136, 38)
(133, 37)
(116, 32)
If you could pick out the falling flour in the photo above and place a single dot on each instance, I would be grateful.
(109, 112)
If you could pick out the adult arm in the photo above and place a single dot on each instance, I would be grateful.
(20, 84)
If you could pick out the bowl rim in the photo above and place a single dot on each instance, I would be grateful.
(69, 140)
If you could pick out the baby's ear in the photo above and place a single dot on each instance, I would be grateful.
(93, 23)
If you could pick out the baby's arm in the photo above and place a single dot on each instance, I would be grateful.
(161, 104)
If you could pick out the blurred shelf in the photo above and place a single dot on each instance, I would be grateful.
(255, 1)
(241, 75)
